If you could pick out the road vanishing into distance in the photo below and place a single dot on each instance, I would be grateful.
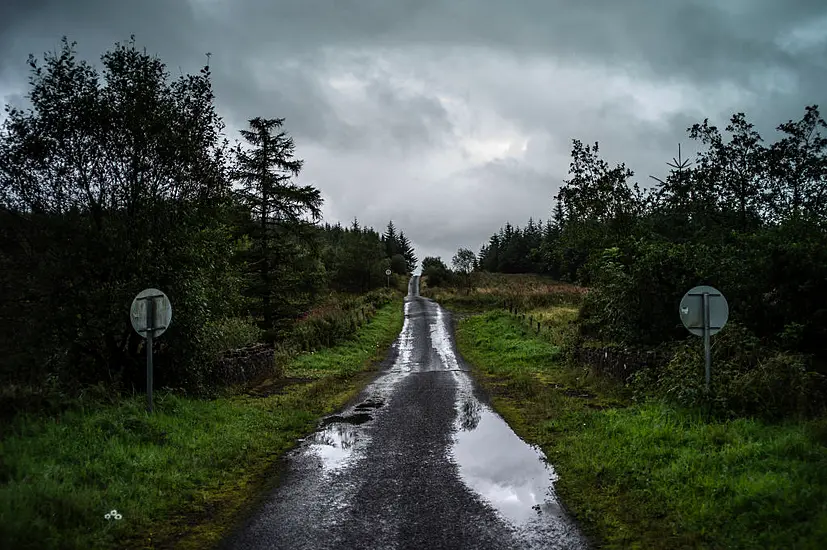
(419, 460)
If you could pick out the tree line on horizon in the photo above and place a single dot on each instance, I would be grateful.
(119, 179)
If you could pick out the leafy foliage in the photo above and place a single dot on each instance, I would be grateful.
(749, 379)
(435, 271)
(464, 262)
(111, 183)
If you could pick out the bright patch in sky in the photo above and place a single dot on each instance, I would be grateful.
(809, 37)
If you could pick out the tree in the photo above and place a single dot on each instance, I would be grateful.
(798, 169)
(595, 191)
(463, 263)
(279, 207)
(737, 169)
(435, 271)
(110, 183)
(391, 240)
(361, 259)
(407, 251)
(398, 264)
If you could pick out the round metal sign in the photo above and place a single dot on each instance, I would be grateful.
(151, 310)
(387, 272)
(692, 310)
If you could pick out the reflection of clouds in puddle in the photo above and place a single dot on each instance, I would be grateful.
(495, 463)
(492, 460)
(334, 445)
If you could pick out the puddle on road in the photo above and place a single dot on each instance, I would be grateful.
(342, 435)
(334, 445)
(352, 419)
(493, 461)
(368, 405)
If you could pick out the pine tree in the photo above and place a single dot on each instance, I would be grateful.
(407, 251)
(278, 206)
(391, 240)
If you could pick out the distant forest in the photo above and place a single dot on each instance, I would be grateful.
(745, 216)
(119, 179)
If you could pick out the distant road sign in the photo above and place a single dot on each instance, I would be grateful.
(692, 310)
(161, 310)
(388, 272)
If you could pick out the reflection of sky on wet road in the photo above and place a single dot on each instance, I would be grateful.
(493, 461)
(334, 445)
(501, 468)
(338, 444)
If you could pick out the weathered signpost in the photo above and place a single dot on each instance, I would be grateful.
(704, 311)
(388, 274)
(151, 313)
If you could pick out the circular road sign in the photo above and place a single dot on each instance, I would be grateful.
(387, 272)
(162, 309)
(692, 310)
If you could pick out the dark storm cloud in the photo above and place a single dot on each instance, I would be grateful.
(454, 116)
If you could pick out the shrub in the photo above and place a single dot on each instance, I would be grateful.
(232, 333)
(747, 379)
(775, 282)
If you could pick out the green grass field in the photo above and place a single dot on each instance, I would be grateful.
(646, 475)
(178, 477)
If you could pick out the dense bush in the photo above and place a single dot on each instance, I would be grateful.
(747, 379)
(436, 273)
(775, 282)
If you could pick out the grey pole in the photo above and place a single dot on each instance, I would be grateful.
(707, 351)
(150, 313)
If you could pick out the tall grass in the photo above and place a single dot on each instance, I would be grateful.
(335, 320)
(496, 290)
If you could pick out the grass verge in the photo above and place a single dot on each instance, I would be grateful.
(648, 475)
(178, 477)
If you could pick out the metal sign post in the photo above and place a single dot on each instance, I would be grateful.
(150, 314)
(707, 348)
(150, 328)
(388, 274)
(704, 312)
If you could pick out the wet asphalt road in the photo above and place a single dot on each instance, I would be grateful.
(419, 460)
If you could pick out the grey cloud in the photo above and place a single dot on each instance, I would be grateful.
(542, 69)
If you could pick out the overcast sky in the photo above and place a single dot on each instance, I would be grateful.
(454, 116)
